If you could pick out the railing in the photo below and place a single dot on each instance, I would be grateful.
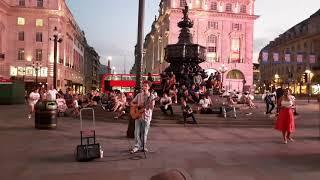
(236, 61)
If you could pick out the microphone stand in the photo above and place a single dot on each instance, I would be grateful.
(142, 136)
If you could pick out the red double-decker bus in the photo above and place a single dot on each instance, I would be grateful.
(125, 82)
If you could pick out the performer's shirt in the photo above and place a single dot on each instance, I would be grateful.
(143, 99)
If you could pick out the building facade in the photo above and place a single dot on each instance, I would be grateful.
(26, 46)
(224, 27)
(256, 79)
(292, 60)
(92, 65)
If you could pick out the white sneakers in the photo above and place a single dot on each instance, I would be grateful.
(135, 149)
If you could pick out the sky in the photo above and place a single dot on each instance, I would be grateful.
(111, 25)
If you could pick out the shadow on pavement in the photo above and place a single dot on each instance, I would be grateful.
(65, 158)
(301, 161)
(310, 138)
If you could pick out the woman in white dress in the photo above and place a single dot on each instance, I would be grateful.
(34, 96)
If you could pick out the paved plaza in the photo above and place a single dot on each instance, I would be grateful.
(203, 153)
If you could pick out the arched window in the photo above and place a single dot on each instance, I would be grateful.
(228, 7)
(243, 9)
(183, 3)
(235, 74)
(214, 6)
(212, 39)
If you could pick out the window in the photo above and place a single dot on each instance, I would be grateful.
(21, 36)
(212, 25)
(235, 44)
(183, 3)
(39, 37)
(21, 54)
(38, 54)
(22, 3)
(235, 50)
(212, 54)
(39, 22)
(298, 47)
(243, 9)
(212, 49)
(212, 39)
(198, 4)
(235, 74)
(214, 6)
(21, 21)
(39, 3)
(236, 27)
(228, 7)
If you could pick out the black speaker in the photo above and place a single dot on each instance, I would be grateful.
(87, 152)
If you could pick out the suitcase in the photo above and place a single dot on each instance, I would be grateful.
(89, 149)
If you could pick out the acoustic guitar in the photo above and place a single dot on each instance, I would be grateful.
(136, 111)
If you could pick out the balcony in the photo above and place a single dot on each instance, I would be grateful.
(241, 60)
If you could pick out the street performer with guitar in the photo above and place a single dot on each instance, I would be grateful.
(141, 110)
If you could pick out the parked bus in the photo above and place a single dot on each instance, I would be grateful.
(125, 82)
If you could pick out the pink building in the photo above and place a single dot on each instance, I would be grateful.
(224, 27)
(26, 51)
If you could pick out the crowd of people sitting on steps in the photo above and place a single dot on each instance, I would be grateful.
(201, 92)
(196, 95)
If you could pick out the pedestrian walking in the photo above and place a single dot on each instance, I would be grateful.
(34, 96)
(269, 102)
(285, 120)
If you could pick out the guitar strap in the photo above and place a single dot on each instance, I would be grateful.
(147, 100)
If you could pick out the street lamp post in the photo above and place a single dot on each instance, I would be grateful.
(56, 39)
(139, 45)
(222, 70)
(308, 84)
(36, 66)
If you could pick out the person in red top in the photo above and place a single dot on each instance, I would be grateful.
(285, 121)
